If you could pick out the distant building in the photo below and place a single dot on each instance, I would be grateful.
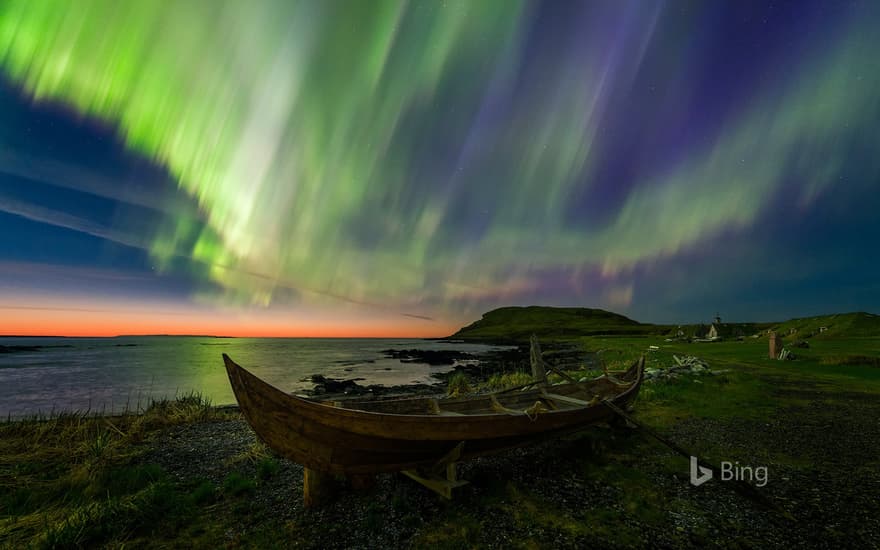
(719, 330)
(714, 331)
(701, 331)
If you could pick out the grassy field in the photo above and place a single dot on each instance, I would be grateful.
(137, 481)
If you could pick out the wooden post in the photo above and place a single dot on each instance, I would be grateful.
(318, 487)
(775, 345)
(539, 373)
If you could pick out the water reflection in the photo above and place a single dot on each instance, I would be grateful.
(112, 374)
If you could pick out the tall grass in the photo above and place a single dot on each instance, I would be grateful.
(117, 518)
(458, 385)
(503, 381)
(72, 479)
(851, 360)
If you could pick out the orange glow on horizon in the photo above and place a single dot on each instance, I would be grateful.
(82, 322)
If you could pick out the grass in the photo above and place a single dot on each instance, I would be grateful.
(267, 468)
(503, 381)
(459, 384)
(745, 387)
(72, 480)
(204, 493)
(850, 360)
(237, 484)
(115, 518)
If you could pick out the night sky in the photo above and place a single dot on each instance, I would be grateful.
(398, 168)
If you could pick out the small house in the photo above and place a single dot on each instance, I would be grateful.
(718, 330)
(714, 332)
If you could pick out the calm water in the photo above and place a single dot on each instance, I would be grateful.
(110, 374)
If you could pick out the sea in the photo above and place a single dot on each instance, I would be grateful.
(112, 375)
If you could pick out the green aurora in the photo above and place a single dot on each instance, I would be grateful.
(414, 154)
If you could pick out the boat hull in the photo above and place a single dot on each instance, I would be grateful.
(345, 441)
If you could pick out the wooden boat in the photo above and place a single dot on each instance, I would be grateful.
(367, 437)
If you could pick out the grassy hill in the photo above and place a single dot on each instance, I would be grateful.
(516, 324)
(840, 324)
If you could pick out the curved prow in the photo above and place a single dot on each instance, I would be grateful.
(229, 362)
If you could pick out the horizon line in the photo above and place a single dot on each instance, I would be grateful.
(212, 336)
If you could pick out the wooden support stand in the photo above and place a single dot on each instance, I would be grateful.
(433, 478)
(440, 485)
(318, 487)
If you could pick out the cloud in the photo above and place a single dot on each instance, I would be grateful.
(62, 219)
(57, 218)
(618, 296)
(72, 176)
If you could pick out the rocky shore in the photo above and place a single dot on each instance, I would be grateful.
(476, 366)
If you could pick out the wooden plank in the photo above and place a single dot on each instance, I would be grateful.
(439, 485)
(449, 459)
(567, 399)
(539, 372)
(435, 408)
(498, 407)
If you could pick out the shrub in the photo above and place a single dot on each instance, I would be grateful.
(267, 468)
(236, 484)
(126, 480)
(204, 493)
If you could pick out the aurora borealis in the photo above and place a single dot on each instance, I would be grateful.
(400, 167)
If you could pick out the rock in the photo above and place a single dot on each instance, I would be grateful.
(13, 349)
(329, 385)
(430, 357)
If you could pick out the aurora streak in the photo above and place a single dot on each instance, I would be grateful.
(440, 158)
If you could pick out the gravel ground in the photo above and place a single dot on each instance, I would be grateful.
(822, 459)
